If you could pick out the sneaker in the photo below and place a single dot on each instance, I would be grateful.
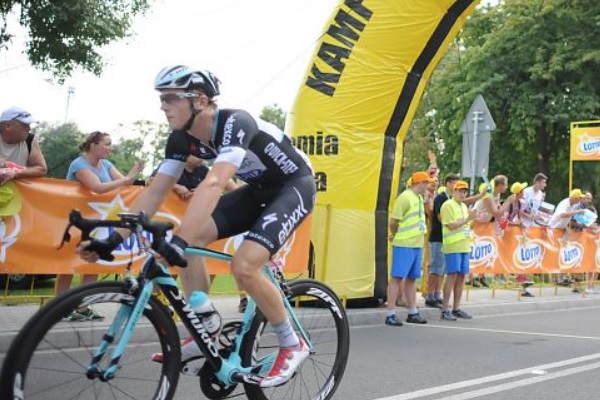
(575, 290)
(415, 319)
(475, 283)
(243, 304)
(447, 316)
(189, 351)
(461, 314)
(440, 303)
(483, 282)
(527, 294)
(74, 316)
(589, 291)
(286, 364)
(432, 303)
(392, 320)
(91, 315)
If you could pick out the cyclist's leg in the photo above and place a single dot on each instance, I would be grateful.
(291, 204)
(247, 266)
(195, 276)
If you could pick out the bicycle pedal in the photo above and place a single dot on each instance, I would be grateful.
(252, 379)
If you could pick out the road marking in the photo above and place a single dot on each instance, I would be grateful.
(523, 382)
(533, 312)
(466, 328)
(506, 375)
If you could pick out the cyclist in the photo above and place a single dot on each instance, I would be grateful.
(279, 194)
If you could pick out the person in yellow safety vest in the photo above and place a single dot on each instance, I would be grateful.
(407, 232)
(456, 245)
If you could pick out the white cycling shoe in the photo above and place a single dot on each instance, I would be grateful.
(286, 364)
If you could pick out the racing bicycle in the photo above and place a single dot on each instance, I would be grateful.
(52, 358)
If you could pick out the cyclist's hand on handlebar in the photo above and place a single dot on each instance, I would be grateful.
(173, 251)
(95, 249)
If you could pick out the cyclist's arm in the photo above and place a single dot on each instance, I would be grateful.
(151, 197)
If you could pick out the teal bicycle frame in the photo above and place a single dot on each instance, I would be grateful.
(228, 370)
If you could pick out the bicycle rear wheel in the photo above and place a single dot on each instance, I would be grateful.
(49, 357)
(323, 318)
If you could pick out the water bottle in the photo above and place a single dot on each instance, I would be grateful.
(203, 307)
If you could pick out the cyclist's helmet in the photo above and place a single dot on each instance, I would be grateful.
(184, 77)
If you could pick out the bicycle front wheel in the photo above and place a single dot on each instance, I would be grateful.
(49, 357)
(322, 316)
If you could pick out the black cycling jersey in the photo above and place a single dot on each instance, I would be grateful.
(281, 189)
(265, 157)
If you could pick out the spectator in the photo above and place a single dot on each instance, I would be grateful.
(533, 197)
(95, 172)
(436, 265)
(586, 204)
(456, 246)
(408, 229)
(18, 145)
(20, 158)
(516, 216)
(490, 208)
(565, 210)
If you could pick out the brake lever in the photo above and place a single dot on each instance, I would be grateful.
(66, 236)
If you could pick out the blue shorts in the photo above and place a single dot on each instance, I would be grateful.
(436, 262)
(457, 263)
(407, 262)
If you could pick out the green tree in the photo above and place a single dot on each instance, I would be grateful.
(60, 146)
(275, 115)
(126, 152)
(148, 144)
(62, 35)
(536, 63)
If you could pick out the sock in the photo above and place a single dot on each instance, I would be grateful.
(286, 335)
(390, 313)
(430, 297)
(437, 296)
(413, 310)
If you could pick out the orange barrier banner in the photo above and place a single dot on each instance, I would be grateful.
(533, 251)
(29, 239)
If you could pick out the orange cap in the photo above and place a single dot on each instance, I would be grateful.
(420, 177)
(461, 185)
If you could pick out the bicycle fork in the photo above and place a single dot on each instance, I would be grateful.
(123, 324)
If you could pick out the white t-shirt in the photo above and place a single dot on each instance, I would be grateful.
(532, 201)
(564, 206)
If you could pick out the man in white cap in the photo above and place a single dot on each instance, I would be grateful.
(18, 147)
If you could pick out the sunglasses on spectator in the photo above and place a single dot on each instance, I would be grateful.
(171, 98)
(20, 115)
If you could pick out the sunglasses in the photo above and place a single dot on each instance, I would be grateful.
(171, 98)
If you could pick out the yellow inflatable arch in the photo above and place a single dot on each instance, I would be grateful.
(351, 114)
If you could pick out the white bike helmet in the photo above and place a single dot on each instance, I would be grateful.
(184, 77)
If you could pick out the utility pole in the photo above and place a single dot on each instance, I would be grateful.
(70, 92)
(477, 118)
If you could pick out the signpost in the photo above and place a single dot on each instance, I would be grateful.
(476, 129)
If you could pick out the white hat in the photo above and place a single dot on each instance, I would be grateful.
(17, 113)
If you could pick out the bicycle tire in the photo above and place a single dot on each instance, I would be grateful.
(49, 357)
(324, 319)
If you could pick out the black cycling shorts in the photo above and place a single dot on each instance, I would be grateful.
(270, 215)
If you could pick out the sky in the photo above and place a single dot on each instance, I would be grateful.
(259, 49)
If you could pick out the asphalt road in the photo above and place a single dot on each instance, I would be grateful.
(540, 355)
(546, 355)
